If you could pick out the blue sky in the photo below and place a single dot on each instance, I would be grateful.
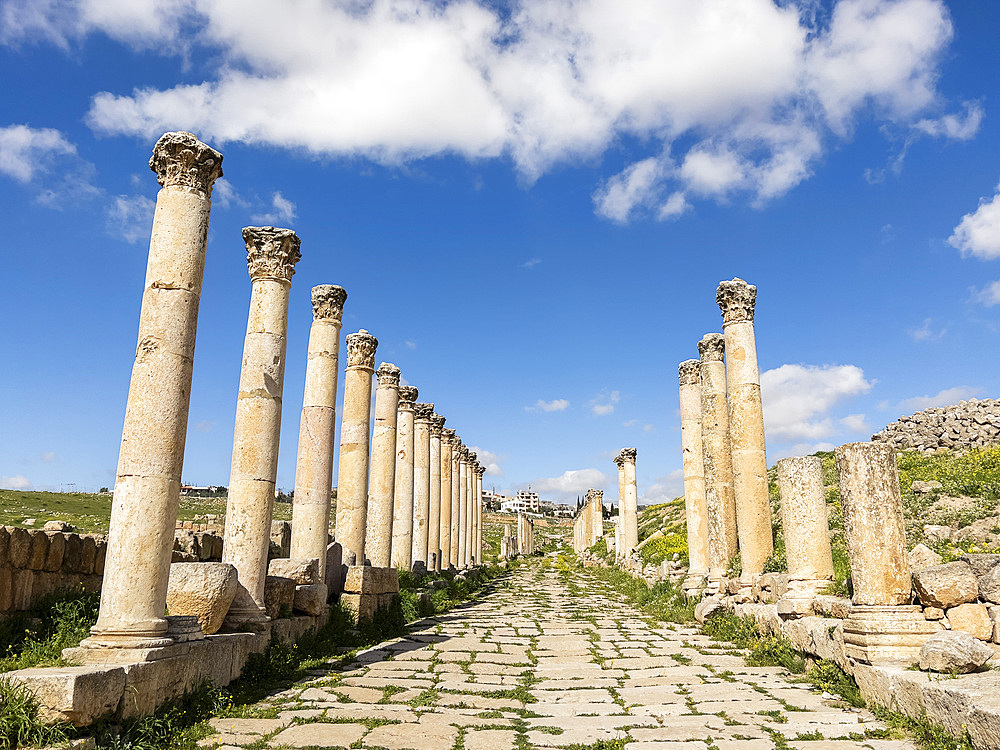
(529, 205)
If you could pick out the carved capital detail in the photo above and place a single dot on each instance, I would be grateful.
(388, 375)
(712, 347)
(361, 350)
(448, 436)
(481, 470)
(437, 424)
(463, 453)
(181, 159)
(423, 412)
(328, 302)
(407, 395)
(472, 456)
(736, 299)
(689, 372)
(271, 253)
(627, 456)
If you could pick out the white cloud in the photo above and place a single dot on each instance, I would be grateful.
(556, 404)
(799, 449)
(490, 460)
(49, 457)
(410, 344)
(571, 483)
(797, 398)
(978, 233)
(630, 423)
(663, 488)
(283, 211)
(205, 425)
(224, 195)
(604, 404)
(531, 263)
(25, 151)
(16, 482)
(989, 295)
(927, 332)
(946, 397)
(855, 423)
(745, 94)
(130, 217)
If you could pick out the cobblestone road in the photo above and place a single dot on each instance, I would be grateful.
(595, 667)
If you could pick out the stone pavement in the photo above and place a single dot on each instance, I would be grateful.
(536, 664)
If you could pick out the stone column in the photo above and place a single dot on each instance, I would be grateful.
(719, 499)
(271, 256)
(355, 426)
(456, 500)
(619, 544)
(447, 460)
(314, 465)
(736, 299)
(883, 625)
(689, 373)
(479, 514)
(434, 514)
(402, 510)
(147, 490)
(382, 476)
(474, 515)
(470, 512)
(421, 483)
(804, 520)
(621, 551)
(463, 506)
(630, 533)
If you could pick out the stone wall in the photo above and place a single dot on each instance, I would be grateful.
(968, 424)
(34, 563)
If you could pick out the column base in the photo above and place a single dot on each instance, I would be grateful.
(148, 634)
(887, 635)
(253, 619)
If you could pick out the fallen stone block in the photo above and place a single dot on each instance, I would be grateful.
(946, 585)
(974, 619)
(205, 590)
(76, 694)
(279, 595)
(953, 651)
(310, 598)
(304, 572)
(922, 556)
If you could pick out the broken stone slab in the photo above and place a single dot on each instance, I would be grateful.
(922, 556)
(947, 585)
(974, 619)
(79, 695)
(953, 651)
(203, 589)
(304, 572)
(708, 608)
(310, 598)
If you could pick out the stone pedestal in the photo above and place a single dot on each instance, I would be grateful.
(355, 434)
(402, 512)
(421, 483)
(314, 465)
(804, 520)
(368, 589)
(434, 492)
(447, 460)
(736, 299)
(382, 477)
(695, 509)
(629, 503)
(718, 460)
(271, 256)
(887, 635)
(147, 490)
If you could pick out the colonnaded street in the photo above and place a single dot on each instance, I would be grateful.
(542, 662)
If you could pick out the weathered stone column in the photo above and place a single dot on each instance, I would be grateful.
(719, 499)
(736, 299)
(693, 459)
(804, 520)
(271, 256)
(355, 434)
(402, 511)
(620, 550)
(479, 514)
(421, 483)
(147, 490)
(630, 504)
(463, 506)
(314, 465)
(474, 515)
(382, 476)
(447, 460)
(618, 534)
(883, 625)
(470, 512)
(456, 500)
(434, 514)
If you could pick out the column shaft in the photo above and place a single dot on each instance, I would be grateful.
(421, 483)
(479, 516)
(463, 509)
(447, 449)
(804, 520)
(402, 513)
(382, 480)
(434, 477)
(456, 502)
(693, 458)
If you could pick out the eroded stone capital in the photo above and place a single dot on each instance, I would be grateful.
(463, 452)
(328, 302)
(481, 470)
(271, 253)
(712, 347)
(736, 299)
(628, 455)
(423, 412)
(472, 456)
(437, 424)
(689, 372)
(361, 350)
(181, 159)
(407, 395)
(448, 436)
(388, 375)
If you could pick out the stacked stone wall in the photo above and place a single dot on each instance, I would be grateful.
(35, 563)
(968, 424)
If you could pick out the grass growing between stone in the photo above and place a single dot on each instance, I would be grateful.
(19, 722)
(663, 601)
(36, 637)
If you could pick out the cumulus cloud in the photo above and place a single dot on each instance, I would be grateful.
(855, 423)
(945, 397)
(25, 151)
(663, 488)
(49, 457)
(556, 404)
(927, 332)
(282, 211)
(978, 233)
(571, 483)
(16, 482)
(604, 404)
(490, 460)
(130, 217)
(724, 97)
(798, 398)
(989, 295)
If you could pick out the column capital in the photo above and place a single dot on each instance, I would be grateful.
(407, 395)
(423, 412)
(328, 302)
(180, 159)
(736, 299)
(689, 372)
(472, 457)
(361, 350)
(437, 424)
(271, 253)
(388, 375)
(481, 470)
(463, 452)
(625, 456)
(448, 437)
(711, 347)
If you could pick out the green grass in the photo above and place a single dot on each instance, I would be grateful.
(36, 638)
(19, 722)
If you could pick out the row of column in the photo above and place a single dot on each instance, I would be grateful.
(414, 488)
(588, 526)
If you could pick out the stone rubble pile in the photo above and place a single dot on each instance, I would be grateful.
(968, 424)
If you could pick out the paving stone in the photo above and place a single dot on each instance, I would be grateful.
(490, 739)
(319, 735)
(404, 737)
